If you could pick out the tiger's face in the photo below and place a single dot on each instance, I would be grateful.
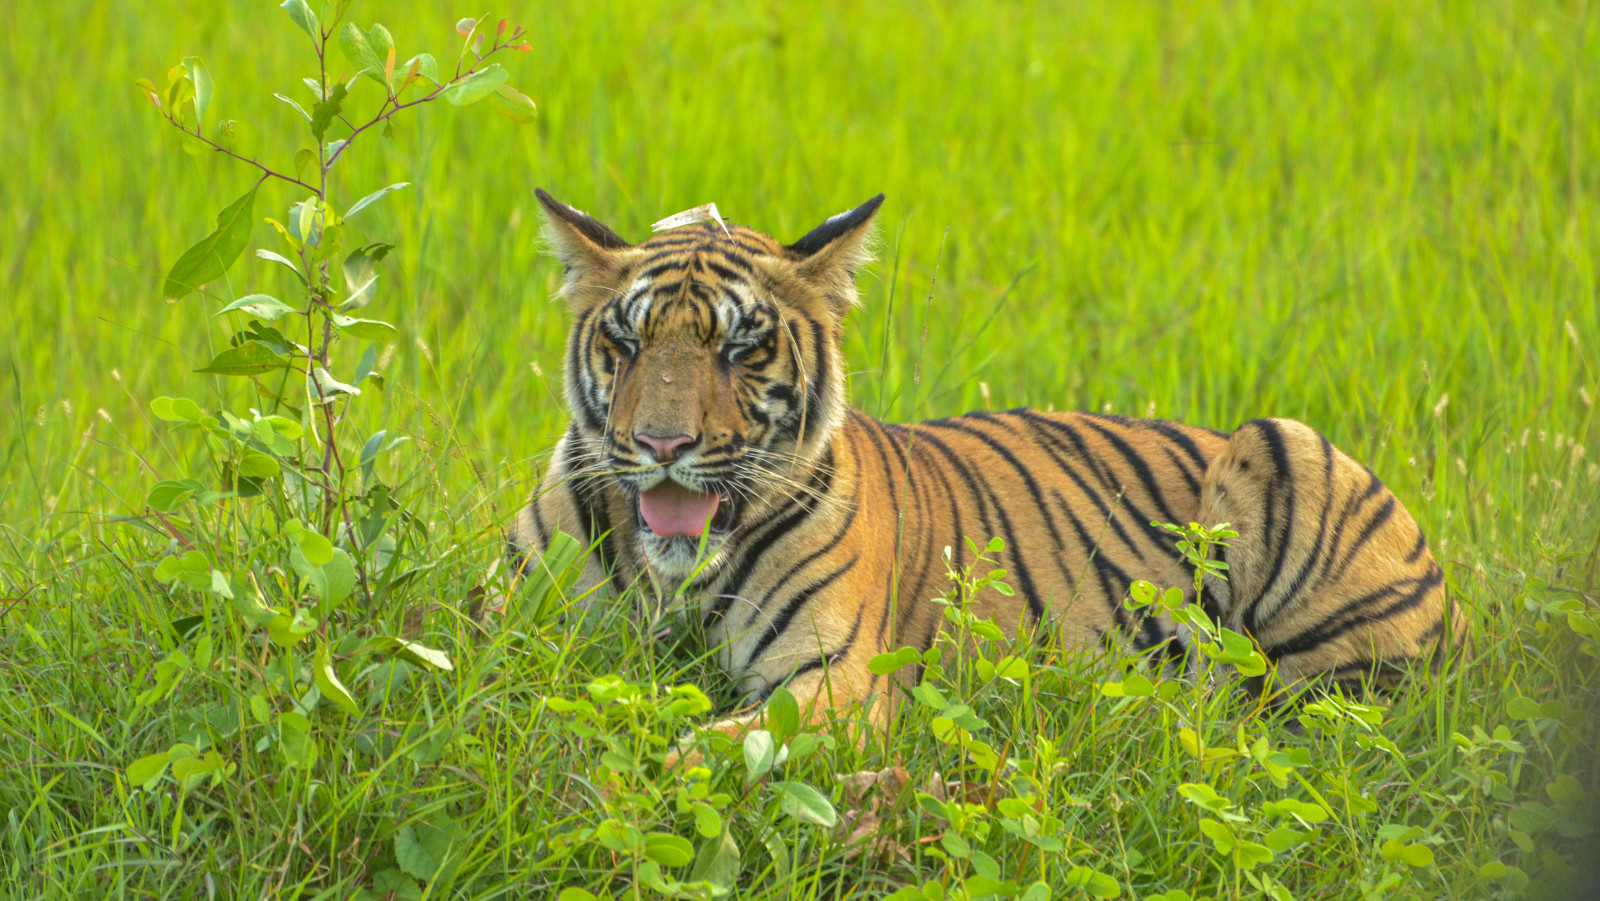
(702, 367)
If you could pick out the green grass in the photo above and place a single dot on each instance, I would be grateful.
(1377, 218)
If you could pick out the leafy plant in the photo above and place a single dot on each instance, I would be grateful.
(279, 531)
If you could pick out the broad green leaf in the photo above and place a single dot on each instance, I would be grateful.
(361, 274)
(327, 679)
(1012, 668)
(884, 664)
(1307, 813)
(180, 93)
(1204, 795)
(250, 606)
(249, 358)
(806, 743)
(805, 803)
(294, 737)
(415, 653)
(1283, 838)
(220, 585)
(421, 849)
(167, 495)
(1133, 685)
(1252, 855)
(323, 388)
(176, 409)
(287, 631)
(717, 862)
(955, 846)
(322, 114)
(146, 770)
(1533, 817)
(783, 715)
(368, 50)
(930, 696)
(209, 259)
(668, 850)
(339, 574)
(759, 752)
(316, 546)
(1094, 883)
(514, 105)
(193, 770)
(1220, 835)
(476, 86)
(201, 79)
(300, 13)
(427, 66)
(1523, 708)
(707, 821)
(261, 306)
(374, 330)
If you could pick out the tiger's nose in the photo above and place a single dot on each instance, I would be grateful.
(665, 450)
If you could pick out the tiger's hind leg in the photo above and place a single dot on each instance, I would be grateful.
(1329, 572)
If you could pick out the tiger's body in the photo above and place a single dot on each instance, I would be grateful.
(707, 392)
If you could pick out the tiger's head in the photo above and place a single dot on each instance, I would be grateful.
(703, 369)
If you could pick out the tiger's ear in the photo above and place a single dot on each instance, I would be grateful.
(829, 254)
(582, 244)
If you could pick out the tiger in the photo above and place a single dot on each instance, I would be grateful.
(712, 450)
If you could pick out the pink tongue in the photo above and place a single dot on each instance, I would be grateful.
(670, 509)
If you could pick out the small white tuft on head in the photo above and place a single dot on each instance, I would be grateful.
(705, 212)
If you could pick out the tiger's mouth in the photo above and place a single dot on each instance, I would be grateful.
(670, 510)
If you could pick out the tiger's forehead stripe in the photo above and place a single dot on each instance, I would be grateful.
(726, 298)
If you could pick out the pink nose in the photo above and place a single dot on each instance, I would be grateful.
(665, 449)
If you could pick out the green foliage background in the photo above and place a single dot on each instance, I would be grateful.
(1379, 218)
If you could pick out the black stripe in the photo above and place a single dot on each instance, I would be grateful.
(921, 522)
(1183, 470)
(780, 524)
(1033, 489)
(1377, 521)
(1352, 506)
(980, 490)
(830, 659)
(1140, 468)
(866, 426)
(958, 540)
(1180, 437)
(1109, 574)
(875, 433)
(598, 521)
(1418, 548)
(1272, 433)
(577, 370)
(1299, 581)
(785, 616)
(1352, 614)
(829, 545)
(1160, 537)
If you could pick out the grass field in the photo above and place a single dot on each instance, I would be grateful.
(1378, 218)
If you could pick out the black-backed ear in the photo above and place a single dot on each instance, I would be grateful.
(830, 253)
(580, 241)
